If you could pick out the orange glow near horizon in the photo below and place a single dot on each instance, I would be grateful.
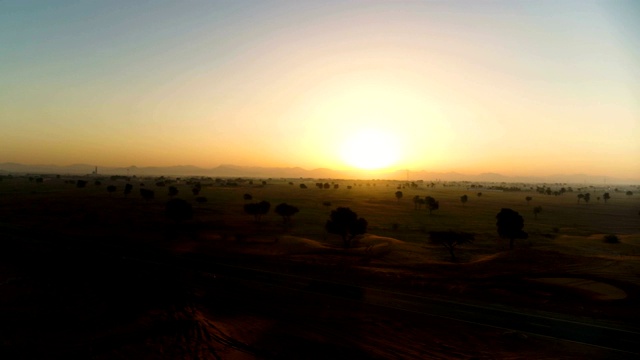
(364, 87)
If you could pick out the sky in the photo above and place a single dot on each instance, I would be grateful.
(513, 87)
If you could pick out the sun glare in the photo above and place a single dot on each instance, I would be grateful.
(370, 150)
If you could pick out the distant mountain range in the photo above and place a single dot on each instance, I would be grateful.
(298, 172)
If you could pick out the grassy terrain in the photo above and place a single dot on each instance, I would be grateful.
(49, 229)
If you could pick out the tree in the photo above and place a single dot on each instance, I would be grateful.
(201, 199)
(580, 196)
(537, 210)
(303, 186)
(346, 223)
(196, 190)
(606, 197)
(399, 195)
(173, 191)
(286, 211)
(479, 194)
(97, 183)
(629, 193)
(432, 204)
(247, 197)
(510, 225)
(81, 183)
(147, 194)
(257, 209)
(326, 185)
(587, 197)
(336, 186)
(127, 189)
(417, 201)
(527, 199)
(111, 189)
(464, 199)
(178, 210)
(450, 239)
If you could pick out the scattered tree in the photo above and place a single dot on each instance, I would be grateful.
(286, 211)
(580, 197)
(303, 186)
(127, 189)
(611, 239)
(81, 183)
(537, 210)
(257, 209)
(97, 183)
(528, 199)
(196, 190)
(587, 197)
(336, 186)
(346, 223)
(201, 199)
(432, 204)
(450, 239)
(147, 194)
(629, 193)
(399, 195)
(464, 199)
(173, 191)
(510, 225)
(606, 197)
(178, 210)
(111, 189)
(479, 194)
(326, 185)
(247, 197)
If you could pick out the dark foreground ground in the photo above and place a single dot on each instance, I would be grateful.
(77, 298)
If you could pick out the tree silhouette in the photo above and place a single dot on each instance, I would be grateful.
(432, 204)
(464, 199)
(399, 195)
(196, 190)
(178, 210)
(528, 199)
(510, 225)
(417, 202)
(346, 223)
(606, 197)
(286, 211)
(537, 210)
(173, 191)
(450, 239)
(111, 189)
(81, 183)
(629, 193)
(303, 186)
(247, 197)
(127, 189)
(257, 209)
(479, 194)
(147, 194)
(587, 197)
(326, 185)
(581, 196)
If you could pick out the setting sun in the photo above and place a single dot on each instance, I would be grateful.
(370, 150)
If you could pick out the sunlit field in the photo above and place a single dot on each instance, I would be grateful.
(564, 267)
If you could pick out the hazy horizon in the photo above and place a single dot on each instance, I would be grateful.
(515, 88)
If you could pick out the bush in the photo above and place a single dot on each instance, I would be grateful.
(611, 239)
